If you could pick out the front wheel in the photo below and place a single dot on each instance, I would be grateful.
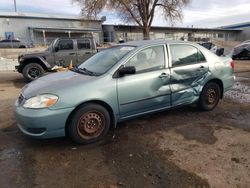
(210, 96)
(89, 124)
(32, 71)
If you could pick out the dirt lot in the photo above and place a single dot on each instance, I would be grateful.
(13, 53)
(178, 148)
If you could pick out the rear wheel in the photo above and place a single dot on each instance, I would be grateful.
(89, 124)
(32, 71)
(210, 96)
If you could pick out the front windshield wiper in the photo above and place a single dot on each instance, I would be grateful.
(85, 71)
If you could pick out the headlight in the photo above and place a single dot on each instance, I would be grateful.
(41, 101)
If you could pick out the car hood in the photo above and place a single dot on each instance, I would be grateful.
(55, 83)
(34, 54)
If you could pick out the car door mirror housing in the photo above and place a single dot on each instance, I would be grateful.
(126, 70)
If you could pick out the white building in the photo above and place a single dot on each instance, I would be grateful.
(42, 28)
(112, 33)
(245, 27)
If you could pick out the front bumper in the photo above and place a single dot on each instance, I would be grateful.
(42, 123)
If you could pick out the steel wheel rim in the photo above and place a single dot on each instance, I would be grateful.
(91, 125)
(212, 96)
(33, 72)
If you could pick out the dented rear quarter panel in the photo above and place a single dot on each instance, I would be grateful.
(220, 68)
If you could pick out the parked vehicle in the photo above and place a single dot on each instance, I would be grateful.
(12, 43)
(246, 41)
(212, 47)
(241, 51)
(61, 52)
(122, 82)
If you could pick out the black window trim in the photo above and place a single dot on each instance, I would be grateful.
(170, 55)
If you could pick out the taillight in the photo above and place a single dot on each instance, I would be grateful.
(232, 65)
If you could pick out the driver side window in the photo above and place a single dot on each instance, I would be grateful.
(149, 59)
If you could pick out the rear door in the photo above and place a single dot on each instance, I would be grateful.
(66, 53)
(85, 49)
(188, 70)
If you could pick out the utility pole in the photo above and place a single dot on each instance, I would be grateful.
(15, 5)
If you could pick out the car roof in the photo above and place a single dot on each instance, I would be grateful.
(74, 38)
(140, 43)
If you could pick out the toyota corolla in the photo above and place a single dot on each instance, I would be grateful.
(119, 83)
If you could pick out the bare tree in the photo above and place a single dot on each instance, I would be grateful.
(140, 11)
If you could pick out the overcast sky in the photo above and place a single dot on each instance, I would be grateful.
(200, 13)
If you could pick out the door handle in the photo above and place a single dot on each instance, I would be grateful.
(88, 53)
(164, 75)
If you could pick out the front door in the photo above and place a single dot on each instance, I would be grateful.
(66, 53)
(189, 68)
(148, 89)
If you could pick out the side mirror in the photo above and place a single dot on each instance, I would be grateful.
(56, 48)
(126, 70)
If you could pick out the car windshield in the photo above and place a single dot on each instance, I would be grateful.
(105, 60)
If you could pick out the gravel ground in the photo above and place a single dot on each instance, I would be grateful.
(7, 64)
(8, 57)
(177, 148)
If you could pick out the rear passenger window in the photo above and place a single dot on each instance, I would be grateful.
(83, 44)
(185, 55)
(65, 45)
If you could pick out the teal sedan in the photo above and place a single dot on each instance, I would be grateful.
(125, 81)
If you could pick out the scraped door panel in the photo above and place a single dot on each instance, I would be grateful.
(186, 82)
(142, 93)
(149, 88)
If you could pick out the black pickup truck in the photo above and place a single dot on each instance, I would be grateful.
(61, 52)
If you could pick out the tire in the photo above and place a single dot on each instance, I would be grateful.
(209, 97)
(32, 71)
(22, 46)
(89, 124)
